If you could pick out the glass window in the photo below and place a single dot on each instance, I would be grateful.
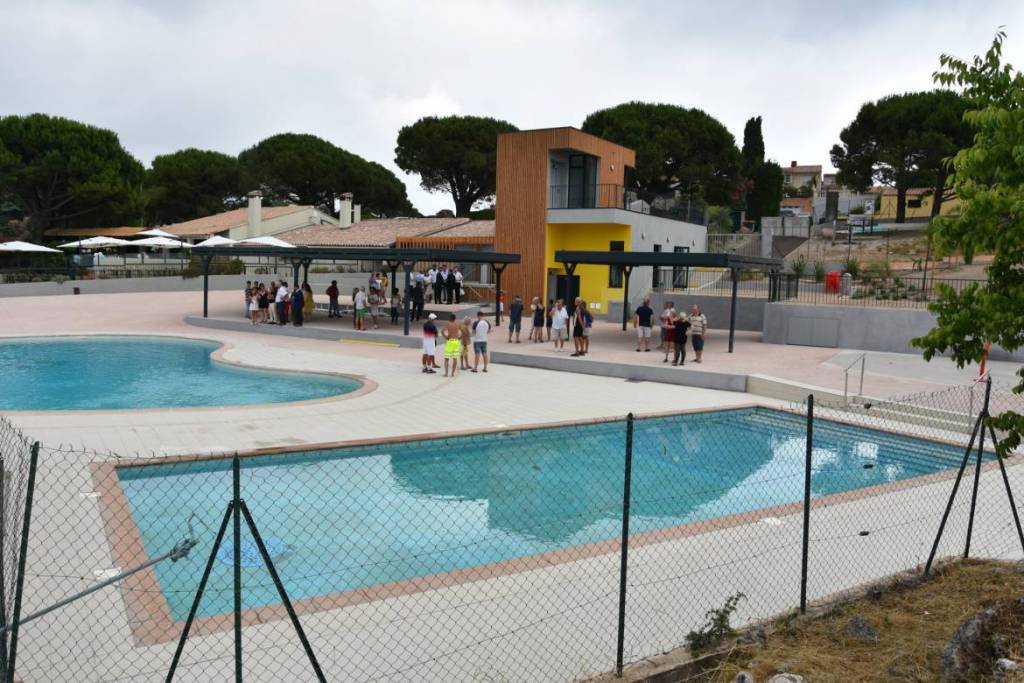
(615, 272)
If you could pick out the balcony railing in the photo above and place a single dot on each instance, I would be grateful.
(670, 205)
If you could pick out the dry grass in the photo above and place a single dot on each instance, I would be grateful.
(914, 622)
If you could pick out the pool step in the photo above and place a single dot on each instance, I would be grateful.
(909, 413)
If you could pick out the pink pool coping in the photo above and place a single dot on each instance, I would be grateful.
(149, 615)
(366, 385)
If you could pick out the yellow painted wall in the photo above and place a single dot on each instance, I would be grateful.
(586, 237)
(888, 204)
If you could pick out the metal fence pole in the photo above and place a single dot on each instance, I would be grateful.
(237, 561)
(1009, 491)
(624, 553)
(977, 468)
(23, 553)
(807, 503)
(952, 495)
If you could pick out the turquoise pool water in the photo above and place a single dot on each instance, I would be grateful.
(356, 517)
(79, 373)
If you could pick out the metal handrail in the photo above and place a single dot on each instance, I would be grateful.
(862, 358)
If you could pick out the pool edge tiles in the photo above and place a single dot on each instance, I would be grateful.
(150, 612)
(304, 387)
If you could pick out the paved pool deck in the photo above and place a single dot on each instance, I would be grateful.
(553, 622)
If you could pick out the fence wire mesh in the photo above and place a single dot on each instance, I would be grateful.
(488, 557)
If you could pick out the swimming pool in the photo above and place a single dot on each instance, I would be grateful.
(368, 515)
(92, 373)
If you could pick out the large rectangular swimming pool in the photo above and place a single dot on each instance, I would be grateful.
(355, 517)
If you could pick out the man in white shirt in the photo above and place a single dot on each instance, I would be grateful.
(458, 285)
(359, 306)
(481, 328)
(560, 325)
(279, 299)
(431, 279)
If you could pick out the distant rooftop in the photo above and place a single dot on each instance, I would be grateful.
(383, 232)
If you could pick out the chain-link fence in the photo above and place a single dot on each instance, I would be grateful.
(537, 554)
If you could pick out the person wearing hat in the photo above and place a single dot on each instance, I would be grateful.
(429, 344)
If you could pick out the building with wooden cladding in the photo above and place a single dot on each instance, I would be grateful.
(561, 188)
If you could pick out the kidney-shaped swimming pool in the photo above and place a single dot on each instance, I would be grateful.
(110, 373)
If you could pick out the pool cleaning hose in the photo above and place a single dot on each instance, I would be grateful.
(180, 551)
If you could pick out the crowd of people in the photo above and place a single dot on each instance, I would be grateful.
(555, 322)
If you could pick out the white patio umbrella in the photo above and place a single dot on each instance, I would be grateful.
(215, 241)
(157, 232)
(94, 243)
(161, 242)
(267, 241)
(26, 247)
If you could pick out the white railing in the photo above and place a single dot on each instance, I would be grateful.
(862, 358)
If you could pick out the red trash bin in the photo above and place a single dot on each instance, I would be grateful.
(832, 282)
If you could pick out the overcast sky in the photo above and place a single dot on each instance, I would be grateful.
(223, 75)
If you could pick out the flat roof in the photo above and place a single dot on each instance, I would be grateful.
(408, 254)
(667, 258)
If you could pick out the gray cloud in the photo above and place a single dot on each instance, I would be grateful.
(222, 75)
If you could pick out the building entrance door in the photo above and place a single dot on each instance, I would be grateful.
(561, 287)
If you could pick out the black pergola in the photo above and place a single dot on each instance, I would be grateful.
(302, 257)
(628, 260)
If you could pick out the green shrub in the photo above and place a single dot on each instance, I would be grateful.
(717, 627)
(852, 266)
(798, 266)
(819, 271)
(877, 269)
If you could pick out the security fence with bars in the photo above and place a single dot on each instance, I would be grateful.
(533, 554)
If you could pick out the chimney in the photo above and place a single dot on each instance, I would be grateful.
(792, 164)
(345, 210)
(254, 213)
(357, 213)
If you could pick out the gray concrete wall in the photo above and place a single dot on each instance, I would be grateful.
(749, 311)
(852, 327)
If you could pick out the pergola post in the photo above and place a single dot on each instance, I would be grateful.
(206, 285)
(296, 263)
(570, 295)
(626, 271)
(497, 292)
(732, 306)
(407, 267)
(394, 269)
(305, 269)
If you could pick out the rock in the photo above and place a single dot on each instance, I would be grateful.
(859, 629)
(964, 641)
(1005, 665)
(743, 677)
(786, 678)
(754, 636)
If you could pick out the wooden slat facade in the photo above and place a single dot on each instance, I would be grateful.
(522, 196)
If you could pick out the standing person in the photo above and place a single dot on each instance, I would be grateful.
(549, 316)
(458, 284)
(559, 324)
(272, 301)
(452, 349)
(438, 287)
(588, 322)
(642, 318)
(578, 324)
(698, 330)
(429, 344)
(333, 309)
(515, 318)
(359, 307)
(465, 340)
(280, 301)
(396, 304)
(679, 327)
(417, 300)
(374, 303)
(263, 302)
(667, 318)
(254, 305)
(481, 328)
(452, 285)
(537, 322)
(298, 301)
(307, 301)
(429, 280)
(384, 282)
(248, 298)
